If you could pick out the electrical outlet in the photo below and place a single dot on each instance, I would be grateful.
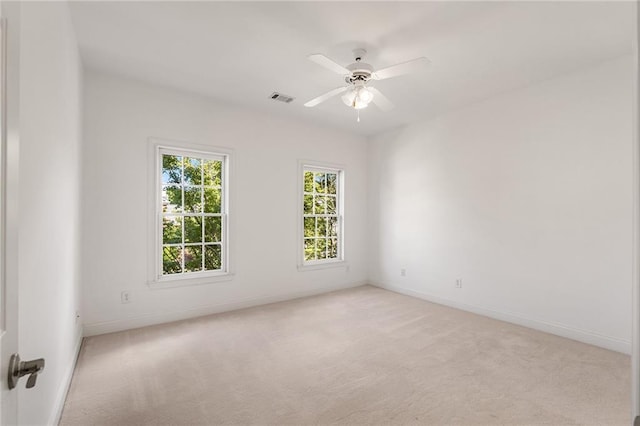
(125, 297)
(459, 283)
(403, 272)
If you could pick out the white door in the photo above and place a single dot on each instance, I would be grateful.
(9, 125)
(635, 338)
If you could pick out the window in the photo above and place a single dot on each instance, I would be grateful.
(321, 215)
(192, 211)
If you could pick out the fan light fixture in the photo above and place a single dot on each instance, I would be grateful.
(357, 75)
(357, 98)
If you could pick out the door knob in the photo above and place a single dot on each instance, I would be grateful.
(19, 368)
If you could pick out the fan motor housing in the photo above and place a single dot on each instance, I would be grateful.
(360, 71)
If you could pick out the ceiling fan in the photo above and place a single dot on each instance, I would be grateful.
(359, 94)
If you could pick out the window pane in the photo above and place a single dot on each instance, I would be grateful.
(309, 249)
(320, 182)
(309, 226)
(333, 248)
(321, 248)
(332, 225)
(319, 204)
(212, 173)
(331, 204)
(172, 230)
(308, 181)
(171, 199)
(171, 258)
(212, 200)
(332, 183)
(192, 171)
(321, 215)
(192, 258)
(191, 193)
(212, 257)
(212, 229)
(192, 200)
(171, 169)
(308, 204)
(192, 229)
(322, 227)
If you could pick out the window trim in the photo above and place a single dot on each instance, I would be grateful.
(341, 261)
(156, 279)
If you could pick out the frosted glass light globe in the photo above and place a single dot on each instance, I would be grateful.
(365, 95)
(358, 97)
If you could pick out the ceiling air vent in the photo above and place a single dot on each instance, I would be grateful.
(281, 98)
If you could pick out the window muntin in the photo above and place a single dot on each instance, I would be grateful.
(322, 215)
(192, 214)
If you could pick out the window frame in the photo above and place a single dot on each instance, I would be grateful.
(339, 170)
(156, 277)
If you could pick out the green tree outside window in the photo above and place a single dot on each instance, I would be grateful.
(192, 220)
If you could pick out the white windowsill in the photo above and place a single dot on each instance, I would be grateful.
(323, 265)
(174, 282)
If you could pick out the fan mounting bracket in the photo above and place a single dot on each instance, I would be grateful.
(359, 53)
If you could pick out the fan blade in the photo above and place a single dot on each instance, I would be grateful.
(413, 65)
(381, 100)
(322, 98)
(329, 64)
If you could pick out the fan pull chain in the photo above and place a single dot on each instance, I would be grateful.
(358, 115)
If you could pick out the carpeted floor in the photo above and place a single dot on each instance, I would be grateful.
(358, 356)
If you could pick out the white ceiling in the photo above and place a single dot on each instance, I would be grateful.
(241, 52)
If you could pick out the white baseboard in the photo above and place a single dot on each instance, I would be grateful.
(65, 383)
(584, 336)
(161, 318)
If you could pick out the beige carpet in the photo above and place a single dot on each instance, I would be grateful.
(358, 356)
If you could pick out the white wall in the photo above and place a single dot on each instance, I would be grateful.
(50, 135)
(120, 116)
(526, 197)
